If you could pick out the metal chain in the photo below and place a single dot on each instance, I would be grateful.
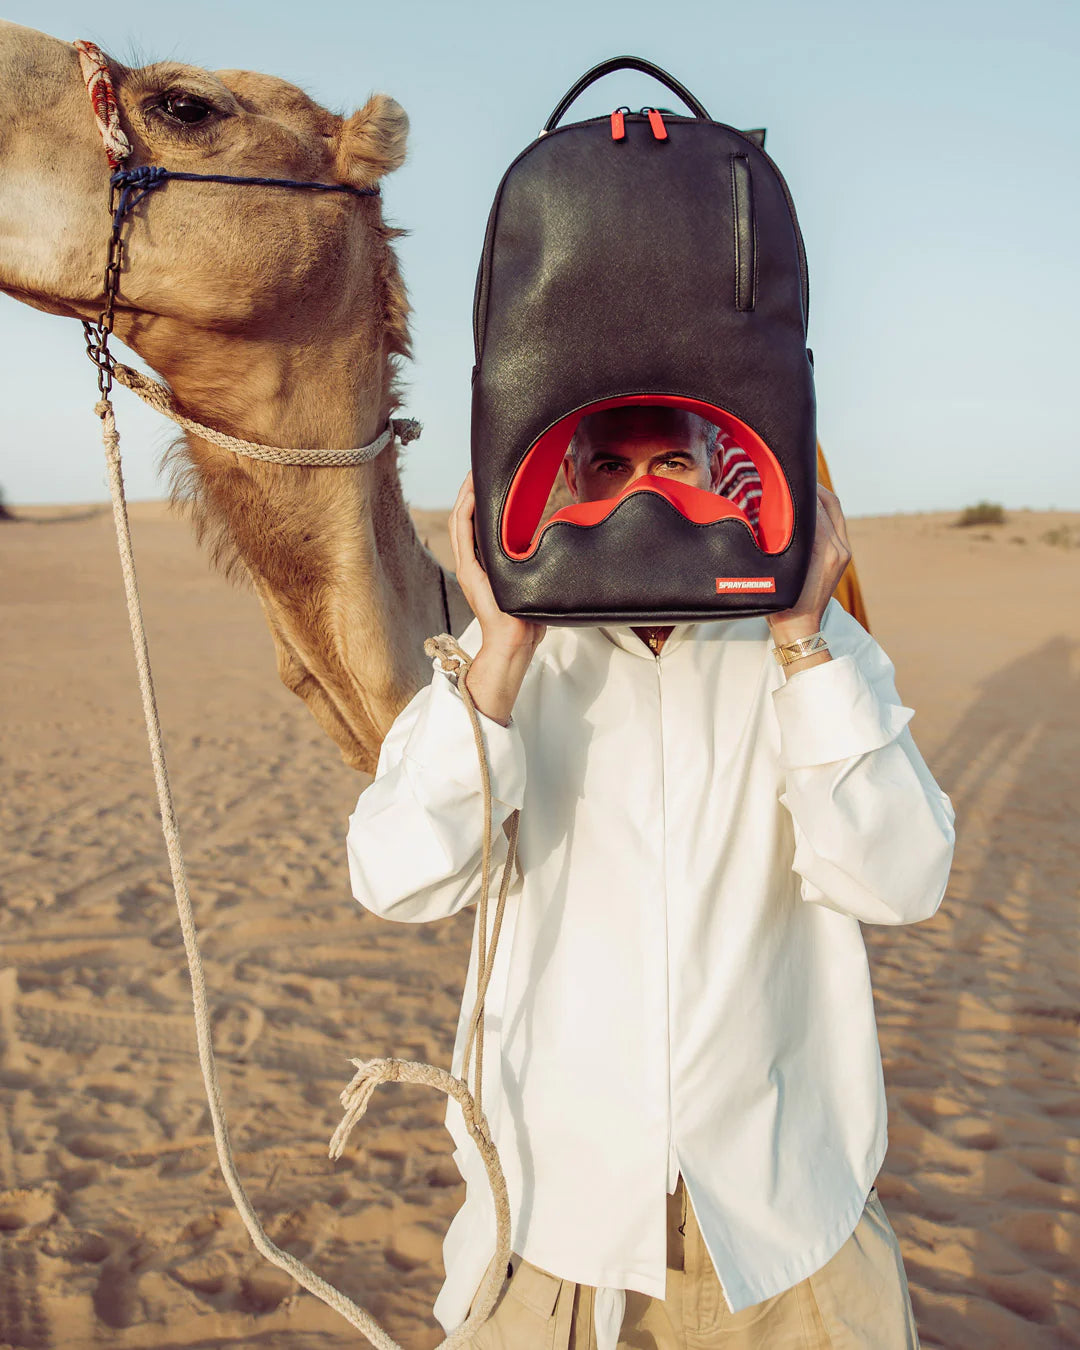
(97, 334)
(127, 188)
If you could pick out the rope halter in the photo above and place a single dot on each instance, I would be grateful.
(99, 86)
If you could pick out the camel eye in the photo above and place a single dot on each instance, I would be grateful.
(186, 108)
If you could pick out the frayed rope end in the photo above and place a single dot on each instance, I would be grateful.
(406, 429)
(355, 1098)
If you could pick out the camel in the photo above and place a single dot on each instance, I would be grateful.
(275, 316)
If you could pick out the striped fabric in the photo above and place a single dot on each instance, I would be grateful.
(740, 481)
(741, 484)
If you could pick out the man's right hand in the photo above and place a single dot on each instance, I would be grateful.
(507, 644)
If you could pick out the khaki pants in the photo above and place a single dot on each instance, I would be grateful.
(857, 1301)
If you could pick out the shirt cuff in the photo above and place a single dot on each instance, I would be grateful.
(442, 742)
(829, 712)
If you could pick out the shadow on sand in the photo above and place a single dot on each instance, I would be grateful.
(981, 1050)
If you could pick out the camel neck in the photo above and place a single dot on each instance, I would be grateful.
(348, 587)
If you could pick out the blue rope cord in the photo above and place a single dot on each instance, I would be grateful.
(135, 184)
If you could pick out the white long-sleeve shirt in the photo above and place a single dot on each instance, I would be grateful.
(681, 982)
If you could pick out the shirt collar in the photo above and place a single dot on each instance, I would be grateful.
(625, 638)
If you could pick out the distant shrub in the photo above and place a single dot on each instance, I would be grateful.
(5, 514)
(982, 513)
(1060, 537)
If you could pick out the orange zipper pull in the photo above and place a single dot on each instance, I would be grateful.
(618, 125)
(657, 124)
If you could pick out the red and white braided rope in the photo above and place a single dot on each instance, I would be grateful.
(99, 86)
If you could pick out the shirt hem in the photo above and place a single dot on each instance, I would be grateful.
(740, 1294)
(598, 1278)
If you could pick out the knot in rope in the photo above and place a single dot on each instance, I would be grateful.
(355, 1098)
(110, 439)
(406, 429)
(134, 185)
(447, 656)
(146, 175)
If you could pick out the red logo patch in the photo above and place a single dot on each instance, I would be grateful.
(725, 584)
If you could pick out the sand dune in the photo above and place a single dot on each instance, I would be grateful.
(115, 1226)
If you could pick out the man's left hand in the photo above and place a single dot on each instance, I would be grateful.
(830, 556)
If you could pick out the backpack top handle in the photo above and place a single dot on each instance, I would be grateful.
(624, 63)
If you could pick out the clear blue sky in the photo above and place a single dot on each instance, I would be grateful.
(931, 149)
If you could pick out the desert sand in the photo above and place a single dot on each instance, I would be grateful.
(115, 1226)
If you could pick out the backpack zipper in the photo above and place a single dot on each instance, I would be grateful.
(742, 199)
(656, 121)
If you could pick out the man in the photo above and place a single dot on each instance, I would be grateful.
(682, 1072)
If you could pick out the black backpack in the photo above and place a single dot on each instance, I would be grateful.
(642, 258)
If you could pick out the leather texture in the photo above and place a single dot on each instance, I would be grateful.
(641, 267)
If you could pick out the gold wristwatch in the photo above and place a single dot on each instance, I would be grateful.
(804, 646)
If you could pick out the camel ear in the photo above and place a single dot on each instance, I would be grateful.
(372, 141)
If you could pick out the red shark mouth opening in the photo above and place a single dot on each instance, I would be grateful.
(530, 490)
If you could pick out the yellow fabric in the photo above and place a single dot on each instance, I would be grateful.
(848, 591)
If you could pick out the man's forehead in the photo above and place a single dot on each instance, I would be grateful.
(633, 426)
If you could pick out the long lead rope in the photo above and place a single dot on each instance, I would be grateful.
(450, 656)
(370, 1073)
(127, 189)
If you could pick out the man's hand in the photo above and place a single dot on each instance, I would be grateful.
(507, 644)
(830, 556)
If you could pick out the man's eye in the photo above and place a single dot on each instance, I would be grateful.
(611, 467)
(186, 108)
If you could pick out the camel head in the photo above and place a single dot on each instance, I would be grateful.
(210, 255)
(276, 315)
